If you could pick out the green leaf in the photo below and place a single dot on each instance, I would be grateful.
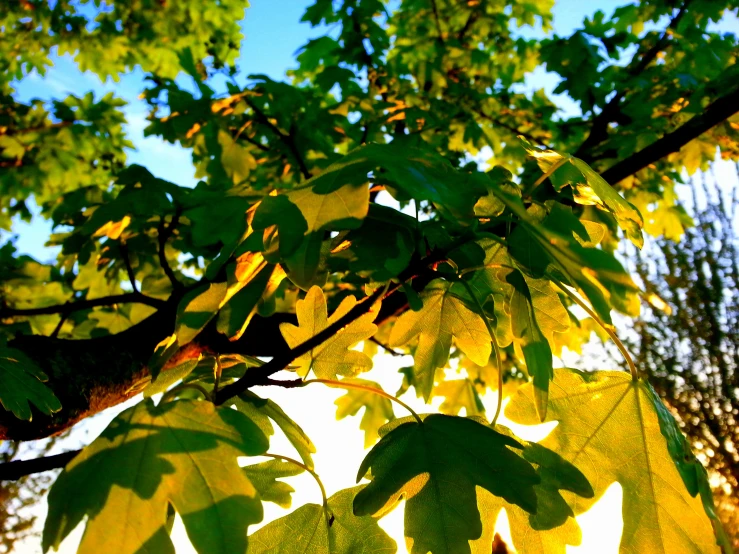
(444, 317)
(609, 427)
(235, 315)
(262, 410)
(589, 188)
(435, 466)
(536, 350)
(308, 531)
(553, 527)
(549, 248)
(378, 410)
(164, 380)
(197, 308)
(265, 477)
(279, 211)
(184, 454)
(21, 384)
(332, 357)
(305, 267)
(490, 282)
(325, 207)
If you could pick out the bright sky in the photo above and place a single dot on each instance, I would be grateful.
(273, 35)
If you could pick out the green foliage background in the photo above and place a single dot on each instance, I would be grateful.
(401, 191)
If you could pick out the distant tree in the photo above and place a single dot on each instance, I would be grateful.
(297, 245)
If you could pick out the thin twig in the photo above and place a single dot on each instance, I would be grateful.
(386, 347)
(129, 269)
(55, 333)
(373, 390)
(286, 138)
(258, 375)
(599, 126)
(435, 8)
(164, 232)
(306, 468)
(12, 471)
(511, 128)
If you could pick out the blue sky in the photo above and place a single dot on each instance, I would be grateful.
(273, 36)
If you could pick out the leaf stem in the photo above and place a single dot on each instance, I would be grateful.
(607, 328)
(499, 402)
(357, 386)
(306, 468)
(548, 173)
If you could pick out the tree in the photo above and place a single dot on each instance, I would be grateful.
(297, 245)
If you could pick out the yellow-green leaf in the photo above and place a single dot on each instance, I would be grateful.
(332, 357)
(378, 410)
(183, 453)
(444, 317)
(608, 426)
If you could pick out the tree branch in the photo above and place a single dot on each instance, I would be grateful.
(12, 471)
(164, 232)
(129, 269)
(286, 138)
(474, 15)
(511, 128)
(600, 123)
(435, 8)
(260, 375)
(721, 109)
(69, 307)
(385, 347)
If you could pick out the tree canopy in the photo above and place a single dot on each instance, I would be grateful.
(407, 190)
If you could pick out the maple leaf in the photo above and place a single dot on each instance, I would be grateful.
(311, 529)
(265, 477)
(378, 410)
(443, 317)
(436, 466)
(610, 427)
(459, 394)
(332, 357)
(183, 453)
(21, 384)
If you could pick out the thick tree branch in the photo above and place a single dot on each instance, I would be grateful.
(91, 375)
(600, 123)
(721, 109)
(259, 375)
(69, 307)
(12, 471)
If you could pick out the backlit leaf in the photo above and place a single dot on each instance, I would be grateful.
(310, 530)
(377, 409)
(609, 427)
(183, 453)
(436, 466)
(332, 357)
(265, 477)
(443, 317)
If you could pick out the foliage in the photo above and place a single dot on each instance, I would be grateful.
(404, 181)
